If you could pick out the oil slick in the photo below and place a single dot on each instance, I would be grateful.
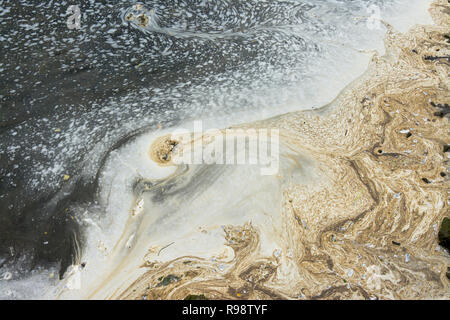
(324, 227)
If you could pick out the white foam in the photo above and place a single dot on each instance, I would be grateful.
(313, 84)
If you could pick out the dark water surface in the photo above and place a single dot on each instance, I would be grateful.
(56, 89)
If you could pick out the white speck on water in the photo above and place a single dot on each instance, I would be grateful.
(7, 276)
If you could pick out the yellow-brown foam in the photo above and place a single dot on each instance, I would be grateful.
(370, 229)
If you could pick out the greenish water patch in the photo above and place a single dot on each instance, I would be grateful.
(444, 234)
(167, 280)
(196, 297)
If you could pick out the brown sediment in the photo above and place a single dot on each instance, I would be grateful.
(143, 20)
(162, 149)
(129, 17)
(368, 231)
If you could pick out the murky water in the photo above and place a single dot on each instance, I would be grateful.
(73, 99)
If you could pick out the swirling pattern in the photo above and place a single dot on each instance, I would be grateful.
(353, 214)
